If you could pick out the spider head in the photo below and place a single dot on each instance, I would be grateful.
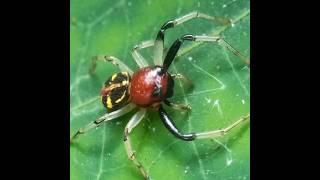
(115, 93)
(150, 86)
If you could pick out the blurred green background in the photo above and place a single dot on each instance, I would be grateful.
(221, 92)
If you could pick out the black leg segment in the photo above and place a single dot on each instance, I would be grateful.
(167, 25)
(170, 125)
(174, 49)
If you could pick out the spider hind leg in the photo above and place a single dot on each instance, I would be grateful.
(101, 120)
(134, 121)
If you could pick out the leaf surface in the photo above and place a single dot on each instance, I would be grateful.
(221, 93)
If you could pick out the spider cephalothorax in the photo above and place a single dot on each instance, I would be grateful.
(152, 86)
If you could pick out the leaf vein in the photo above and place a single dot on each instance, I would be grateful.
(189, 128)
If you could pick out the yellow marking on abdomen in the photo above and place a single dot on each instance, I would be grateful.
(113, 86)
(113, 77)
(120, 99)
(125, 73)
(124, 83)
(109, 103)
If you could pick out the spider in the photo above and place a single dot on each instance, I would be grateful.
(152, 86)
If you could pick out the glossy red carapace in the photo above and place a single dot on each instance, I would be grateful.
(144, 85)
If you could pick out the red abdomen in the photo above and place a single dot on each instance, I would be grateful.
(148, 86)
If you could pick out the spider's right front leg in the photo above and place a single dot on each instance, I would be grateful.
(135, 120)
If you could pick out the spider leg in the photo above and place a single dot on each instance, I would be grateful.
(158, 50)
(170, 125)
(137, 56)
(183, 78)
(183, 107)
(104, 118)
(113, 60)
(135, 120)
(224, 44)
(189, 37)
(221, 132)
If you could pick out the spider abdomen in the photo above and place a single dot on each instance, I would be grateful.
(149, 86)
(115, 93)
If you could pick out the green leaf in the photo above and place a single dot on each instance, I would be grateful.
(220, 96)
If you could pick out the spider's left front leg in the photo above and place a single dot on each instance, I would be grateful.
(170, 125)
(135, 120)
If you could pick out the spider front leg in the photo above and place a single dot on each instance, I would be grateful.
(135, 120)
(224, 44)
(159, 47)
(117, 62)
(171, 126)
(104, 118)
(189, 37)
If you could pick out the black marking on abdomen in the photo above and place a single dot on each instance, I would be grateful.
(118, 78)
(119, 97)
